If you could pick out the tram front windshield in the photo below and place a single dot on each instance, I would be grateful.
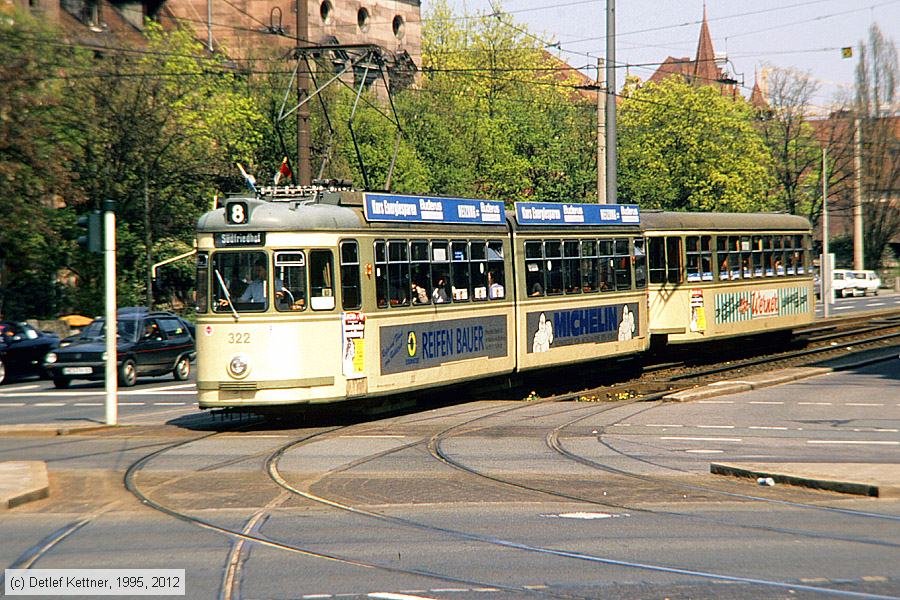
(240, 281)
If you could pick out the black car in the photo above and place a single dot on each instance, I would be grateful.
(22, 349)
(149, 343)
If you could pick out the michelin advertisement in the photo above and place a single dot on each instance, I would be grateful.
(589, 325)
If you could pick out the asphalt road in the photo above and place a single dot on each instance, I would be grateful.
(381, 517)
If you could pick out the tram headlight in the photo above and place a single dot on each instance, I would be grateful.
(239, 366)
(50, 358)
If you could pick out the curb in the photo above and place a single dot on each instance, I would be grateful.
(29, 482)
(822, 482)
(49, 429)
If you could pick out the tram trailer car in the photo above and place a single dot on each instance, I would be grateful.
(721, 275)
(347, 295)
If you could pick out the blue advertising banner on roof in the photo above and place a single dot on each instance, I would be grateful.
(425, 209)
(558, 213)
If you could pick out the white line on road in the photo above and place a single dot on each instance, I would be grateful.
(814, 403)
(168, 404)
(764, 402)
(704, 451)
(768, 427)
(88, 404)
(857, 442)
(876, 304)
(82, 394)
(132, 403)
(49, 404)
(19, 388)
(374, 436)
(842, 308)
(12, 404)
(715, 426)
(390, 596)
(661, 425)
(155, 391)
(701, 439)
(864, 404)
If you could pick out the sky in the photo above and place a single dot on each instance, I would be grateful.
(803, 34)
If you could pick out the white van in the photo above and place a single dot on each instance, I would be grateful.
(867, 281)
(844, 283)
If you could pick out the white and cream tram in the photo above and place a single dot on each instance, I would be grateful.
(319, 296)
(716, 275)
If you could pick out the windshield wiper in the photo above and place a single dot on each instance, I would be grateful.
(227, 295)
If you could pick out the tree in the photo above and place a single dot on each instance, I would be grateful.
(795, 142)
(159, 131)
(685, 147)
(34, 170)
(876, 95)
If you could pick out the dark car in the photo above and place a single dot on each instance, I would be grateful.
(22, 349)
(149, 343)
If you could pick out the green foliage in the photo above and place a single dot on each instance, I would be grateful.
(683, 147)
(33, 168)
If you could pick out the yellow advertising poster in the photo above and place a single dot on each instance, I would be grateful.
(353, 328)
(698, 311)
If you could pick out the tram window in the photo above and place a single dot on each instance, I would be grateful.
(440, 272)
(699, 258)
(398, 273)
(459, 271)
(572, 266)
(381, 282)
(607, 266)
(656, 251)
(496, 275)
(420, 267)
(623, 265)
(553, 263)
(777, 256)
(202, 298)
(534, 269)
(756, 256)
(589, 281)
(478, 269)
(351, 296)
(290, 281)
(673, 259)
(722, 256)
(640, 264)
(798, 254)
(321, 280)
(245, 277)
(807, 251)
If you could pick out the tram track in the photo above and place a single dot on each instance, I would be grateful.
(279, 478)
(250, 532)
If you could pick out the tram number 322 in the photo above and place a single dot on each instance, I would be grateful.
(238, 338)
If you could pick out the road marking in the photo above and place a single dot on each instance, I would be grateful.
(814, 403)
(587, 516)
(704, 451)
(842, 308)
(863, 404)
(715, 426)
(88, 404)
(877, 304)
(154, 392)
(857, 442)
(49, 404)
(12, 404)
(629, 424)
(390, 596)
(311, 596)
(23, 387)
(661, 425)
(132, 403)
(701, 439)
(767, 427)
(764, 402)
(168, 404)
(439, 590)
(715, 401)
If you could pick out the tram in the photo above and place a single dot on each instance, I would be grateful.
(721, 275)
(320, 295)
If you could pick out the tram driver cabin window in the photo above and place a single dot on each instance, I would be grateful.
(290, 281)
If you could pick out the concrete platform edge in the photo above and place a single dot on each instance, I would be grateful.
(34, 485)
(821, 483)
